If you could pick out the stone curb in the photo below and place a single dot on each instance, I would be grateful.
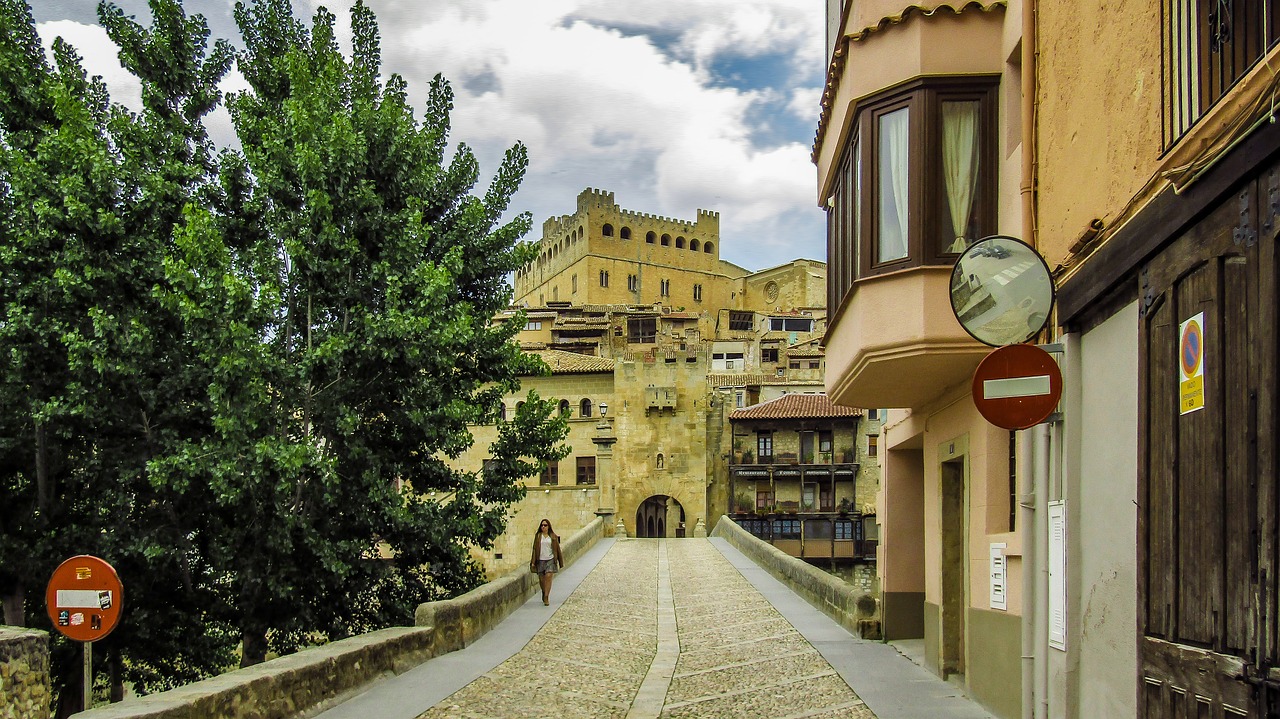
(828, 594)
(302, 682)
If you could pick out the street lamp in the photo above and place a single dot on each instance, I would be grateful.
(604, 408)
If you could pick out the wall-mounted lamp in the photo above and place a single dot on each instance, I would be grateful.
(604, 408)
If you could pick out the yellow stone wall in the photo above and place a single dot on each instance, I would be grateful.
(576, 245)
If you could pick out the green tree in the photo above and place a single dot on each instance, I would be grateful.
(342, 294)
(92, 371)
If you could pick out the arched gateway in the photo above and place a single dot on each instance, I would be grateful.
(660, 516)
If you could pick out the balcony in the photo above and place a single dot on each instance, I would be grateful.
(896, 343)
(812, 535)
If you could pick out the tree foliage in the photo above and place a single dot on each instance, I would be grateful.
(219, 369)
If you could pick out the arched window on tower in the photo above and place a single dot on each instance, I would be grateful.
(625, 233)
(666, 240)
(564, 408)
(693, 245)
(708, 248)
(584, 410)
(607, 230)
(680, 243)
(651, 237)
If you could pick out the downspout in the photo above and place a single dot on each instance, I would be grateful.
(1032, 490)
(1040, 476)
(1027, 518)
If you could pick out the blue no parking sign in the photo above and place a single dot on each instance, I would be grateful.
(1191, 364)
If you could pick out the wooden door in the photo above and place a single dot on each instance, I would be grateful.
(1207, 515)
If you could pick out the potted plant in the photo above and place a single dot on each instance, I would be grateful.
(747, 457)
(844, 507)
(807, 458)
(847, 455)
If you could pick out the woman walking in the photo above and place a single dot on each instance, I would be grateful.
(546, 559)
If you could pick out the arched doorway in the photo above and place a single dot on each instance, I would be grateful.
(660, 516)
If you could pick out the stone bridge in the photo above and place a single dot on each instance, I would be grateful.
(635, 628)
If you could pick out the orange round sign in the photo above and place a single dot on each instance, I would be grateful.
(84, 598)
(1017, 386)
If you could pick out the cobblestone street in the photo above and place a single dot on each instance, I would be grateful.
(648, 607)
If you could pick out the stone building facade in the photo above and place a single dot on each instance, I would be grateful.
(667, 366)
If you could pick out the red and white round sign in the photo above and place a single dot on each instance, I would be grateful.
(1017, 386)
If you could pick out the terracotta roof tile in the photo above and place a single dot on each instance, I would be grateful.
(796, 406)
(562, 362)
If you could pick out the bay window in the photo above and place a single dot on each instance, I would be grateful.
(916, 183)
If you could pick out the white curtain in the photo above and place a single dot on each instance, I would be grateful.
(960, 165)
(894, 139)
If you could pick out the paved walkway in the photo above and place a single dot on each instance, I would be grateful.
(665, 628)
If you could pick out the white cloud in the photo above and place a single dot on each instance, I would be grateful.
(99, 55)
(620, 96)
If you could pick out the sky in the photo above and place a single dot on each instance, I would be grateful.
(673, 105)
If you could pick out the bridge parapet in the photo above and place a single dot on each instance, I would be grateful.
(24, 673)
(320, 677)
(854, 610)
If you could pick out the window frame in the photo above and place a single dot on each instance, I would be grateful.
(550, 476)
(586, 470)
(853, 215)
(764, 445)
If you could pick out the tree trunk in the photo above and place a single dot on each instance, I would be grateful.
(14, 614)
(253, 646)
(115, 680)
(44, 492)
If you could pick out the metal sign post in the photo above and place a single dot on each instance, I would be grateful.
(88, 677)
(84, 600)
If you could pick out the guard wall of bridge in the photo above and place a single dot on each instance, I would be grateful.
(316, 678)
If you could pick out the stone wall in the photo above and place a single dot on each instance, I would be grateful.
(24, 673)
(320, 677)
(853, 609)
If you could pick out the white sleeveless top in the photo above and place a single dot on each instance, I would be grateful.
(545, 553)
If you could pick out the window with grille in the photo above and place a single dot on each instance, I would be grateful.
(697, 293)
(604, 278)
(1208, 46)
(633, 283)
(666, 288)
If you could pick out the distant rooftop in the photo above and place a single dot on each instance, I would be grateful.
(562, 362)
(796, 406)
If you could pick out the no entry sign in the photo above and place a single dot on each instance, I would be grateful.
(1017, 386)
(84, 598)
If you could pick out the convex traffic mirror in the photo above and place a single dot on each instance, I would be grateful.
(1001, 291)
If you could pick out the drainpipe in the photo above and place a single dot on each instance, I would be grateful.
(1027, 520)
(1029, 118)
(1032, 472)
(1040, 476)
